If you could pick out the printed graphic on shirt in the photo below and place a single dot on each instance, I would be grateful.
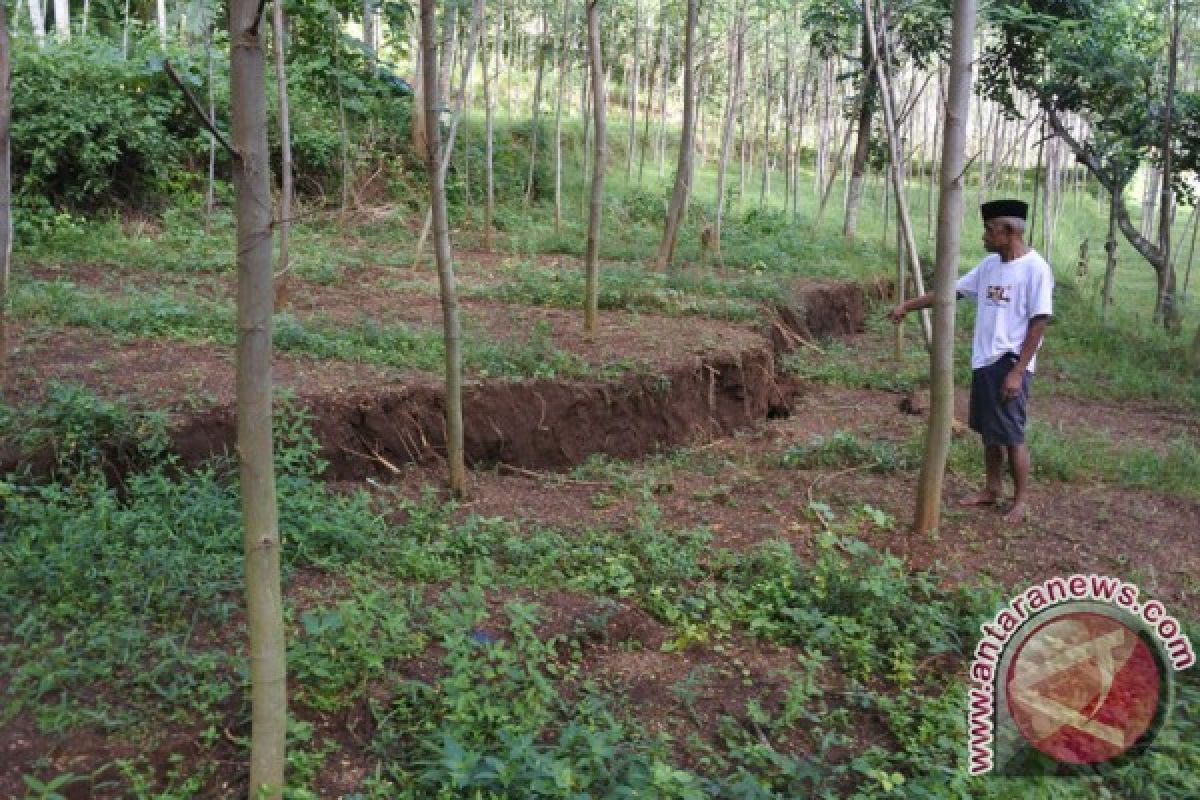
(1000, 295)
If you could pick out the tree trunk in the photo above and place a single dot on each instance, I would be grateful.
(5, 189)
(492, 88)
(1149, 196)
(662, 117)
(343, 130)
(1115, 186)
(1110, 265)
(765, 179)
(592, 260)
(889, 124)
(489, 208)
(862, 147)
(37, 19)
(737, 38)
(536, 110)
(656, 65)
(62, 20)
(558, 107)
(264, 600)
(475, 33)
(1165, 307)
(287, 180)
(435, 170)
(368, 26)
(210, 188)
(161, 16)
(950, 212)
(420, 146)
(683, 168)
(633, 89)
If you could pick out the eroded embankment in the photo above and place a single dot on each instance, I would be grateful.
(371, 431)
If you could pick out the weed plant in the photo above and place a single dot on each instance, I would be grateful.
(124, 616)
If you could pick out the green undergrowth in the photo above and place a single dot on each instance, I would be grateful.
(679, 292)
(1056, 455)
(124, 617)
(163, 314)
(1080, 458)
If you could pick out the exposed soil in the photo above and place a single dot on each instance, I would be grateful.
(684, 379)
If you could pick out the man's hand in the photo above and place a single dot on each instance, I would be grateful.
(1012, 384)
(896, 315)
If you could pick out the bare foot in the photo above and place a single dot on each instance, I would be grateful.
(983, 498)
(1016, 514)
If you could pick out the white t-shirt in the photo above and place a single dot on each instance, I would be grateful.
(1008, 294)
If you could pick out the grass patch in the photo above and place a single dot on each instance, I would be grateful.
(164, 315)
(634, 289)
(846, 450)
(1070, 459)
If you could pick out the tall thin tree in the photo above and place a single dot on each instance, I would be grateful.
(683, 167)
(596, 199)
(950, 212)
(5, 188)
(436, 172)
(264, 598)
(287, 180)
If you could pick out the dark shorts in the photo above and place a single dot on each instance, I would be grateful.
(996, 421)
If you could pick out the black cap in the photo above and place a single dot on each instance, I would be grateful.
(1004, 208)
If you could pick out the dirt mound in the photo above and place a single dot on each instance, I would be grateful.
(817, 310)
(370, 429)
(536, 424)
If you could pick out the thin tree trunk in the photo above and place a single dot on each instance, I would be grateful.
(435, 170)
(368, 26)
(489, 208)
(1187, 273)
(889, 121)
(657, 65)
(343, 130)
(950, 211)
(662, 118)
(536, 110)
(732, 105)
(287, 180)
(765, 181)
(1110, 265)
(596, 204)
(62, 20)
(633, 89)
(1165, 306)
(862, 147)
(37, 19)
(210, 189)
(683, 168)
(1149, 196)
(5, 189)
(476, 31)
(161, 16)
(264, 598)
(558, 107)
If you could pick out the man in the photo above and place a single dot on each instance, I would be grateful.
(1013, 289)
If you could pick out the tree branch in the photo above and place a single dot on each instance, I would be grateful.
(195, 104)
(258, 15)
(1140, 243)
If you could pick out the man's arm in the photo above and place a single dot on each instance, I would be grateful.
(913, 304)
(1029, 348)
